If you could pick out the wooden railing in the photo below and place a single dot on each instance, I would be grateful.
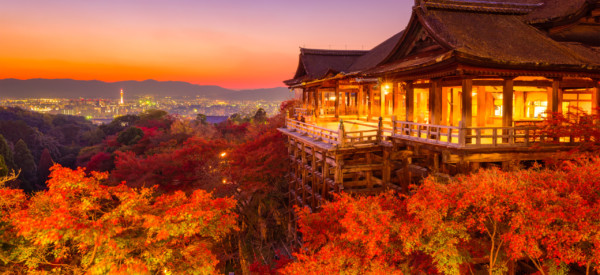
(450, 136)
(341, 137)
(436, 134)
(468, 137)
(315, 132)
(520, 136)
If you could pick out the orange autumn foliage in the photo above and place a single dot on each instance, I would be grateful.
(80, 225)
(549, 218)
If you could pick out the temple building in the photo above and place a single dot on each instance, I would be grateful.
(463, 86)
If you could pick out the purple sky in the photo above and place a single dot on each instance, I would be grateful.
(232, 43)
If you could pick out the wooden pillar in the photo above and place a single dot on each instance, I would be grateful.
(466, 111)
(314, 185)
(596, 96)
(361, 101)
(395, 98)
(481, 108)
(489, 107)
(410, 101)
(304, 173)
(519, 105)
(325, 176)
(555, 97)
(507, 107)
(431, 101)
(435, 102)
(445, 111)
(387, 170)
(382, 101)
(467, 102)
(323, 103)
(339, 175)
(310, 101)
(337, 101)
(452, 112)
(317, 96)
(343, 102)
(304, 98)
(370, 103)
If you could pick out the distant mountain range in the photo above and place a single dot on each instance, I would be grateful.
(69, 88)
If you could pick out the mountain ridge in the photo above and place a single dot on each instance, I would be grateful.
(70, 88)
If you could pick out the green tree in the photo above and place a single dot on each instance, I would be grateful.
(44, 166)
(201, 118)
(260, 116)
(24, 160)
(130, 136)
(3, 167)
(6, 153)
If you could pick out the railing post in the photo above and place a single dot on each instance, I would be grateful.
(462, 134)
(380, 130)
(342, 134)
(394, 128)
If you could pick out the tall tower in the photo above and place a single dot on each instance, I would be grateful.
(121, 97)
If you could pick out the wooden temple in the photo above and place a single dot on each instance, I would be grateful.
(461, 87)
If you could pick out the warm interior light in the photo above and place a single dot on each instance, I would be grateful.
(386, 89)
(223, 154)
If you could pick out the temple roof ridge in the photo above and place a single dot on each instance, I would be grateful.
(507, 7)
(332, 52)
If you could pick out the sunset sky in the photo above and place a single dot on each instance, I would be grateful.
(236, 44)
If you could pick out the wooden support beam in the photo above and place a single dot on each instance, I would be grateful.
(325, 171)
(361, 100)
(519, 105)
(387, 169)
(339, 174)
(555, 97)
(431, 101)
(342, 102)
(323, 103)
(507, 107)
(337, 101)
(370, 103)
(445, 109)
(596, 97)
(314, 181)
(507, 103)
(410, 101)
(395, 98)
(467, 102)
(318, 102)
(435, 98)
(381, 101)
(304, 98)
(481, 108)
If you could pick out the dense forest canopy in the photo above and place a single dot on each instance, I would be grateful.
(154, 193)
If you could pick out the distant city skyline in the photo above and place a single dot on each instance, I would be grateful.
(235, 44)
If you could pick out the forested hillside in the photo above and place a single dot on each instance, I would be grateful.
(154, 193)
(161, 194)
(31, 142)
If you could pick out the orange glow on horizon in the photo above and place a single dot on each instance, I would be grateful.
(234, 44)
